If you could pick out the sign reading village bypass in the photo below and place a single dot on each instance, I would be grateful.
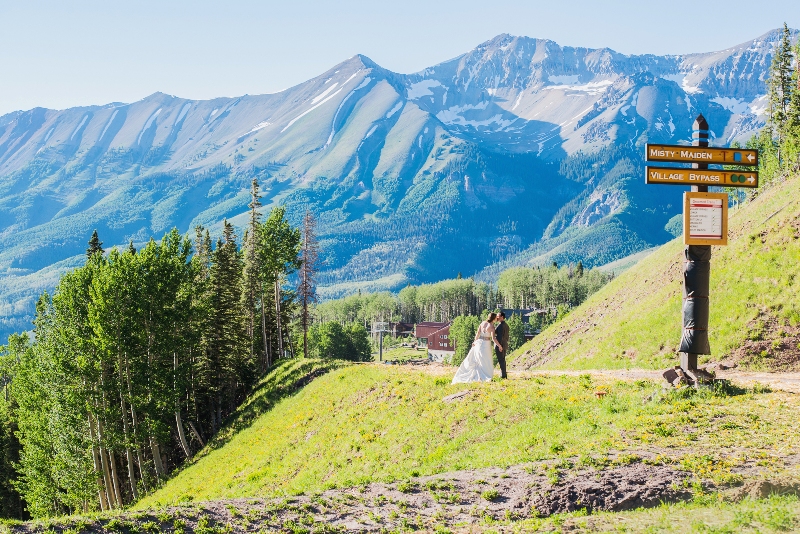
(700, 154)
(671, 175)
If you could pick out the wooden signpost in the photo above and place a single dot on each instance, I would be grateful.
(705, 223)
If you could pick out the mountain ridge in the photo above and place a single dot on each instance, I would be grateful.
(414, 177)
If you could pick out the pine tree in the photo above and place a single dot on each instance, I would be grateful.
(793, 113)
(780, 86)
(228, 336)
(95, 245)
(251, 288)
(306, 291)
(11, 504)
(279, 249)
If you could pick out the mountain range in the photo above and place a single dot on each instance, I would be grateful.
(520, 151)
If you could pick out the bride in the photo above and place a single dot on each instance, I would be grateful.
(478, 366)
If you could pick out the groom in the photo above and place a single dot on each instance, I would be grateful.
(501, 331)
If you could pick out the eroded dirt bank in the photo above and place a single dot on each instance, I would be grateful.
(462, 501)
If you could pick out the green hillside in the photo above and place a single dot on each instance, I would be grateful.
(635, 321)
(353, 424)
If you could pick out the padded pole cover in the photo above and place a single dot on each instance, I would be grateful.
(696, 277)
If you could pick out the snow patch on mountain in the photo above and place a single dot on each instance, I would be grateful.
(423, 88)
(309, 110)
(395, 109)
(517, 101)
(452, 118)
(677, 78)
(85, 118)
(564, 79)
(259, 126)
(683, 81)
(363, 84)
(325, 93)
(107, 124)
(759, 105)
(182, 114)
(591, 88)
(734, 105)
(148, 123)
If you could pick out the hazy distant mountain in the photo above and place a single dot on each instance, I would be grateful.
(520, 150)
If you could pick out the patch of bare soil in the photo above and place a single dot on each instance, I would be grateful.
(614, 490)
(759, 489)
(459, 500)
(770, 345)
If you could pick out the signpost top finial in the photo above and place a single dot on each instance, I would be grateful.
(700, 123)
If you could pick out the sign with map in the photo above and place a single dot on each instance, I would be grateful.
(705, 218)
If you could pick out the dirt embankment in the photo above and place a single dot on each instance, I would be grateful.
(453, 500)
(461, 501)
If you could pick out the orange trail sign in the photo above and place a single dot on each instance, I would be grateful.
(701, 154)
(671, 175)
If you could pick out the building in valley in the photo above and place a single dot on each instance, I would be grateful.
(436, 337)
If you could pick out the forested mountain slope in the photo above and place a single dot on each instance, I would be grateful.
(472, 164)
(635, 320)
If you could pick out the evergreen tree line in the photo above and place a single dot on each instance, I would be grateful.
(551, 290)
(778, 142)
(550, 287)
(333, 340)
(137, 359)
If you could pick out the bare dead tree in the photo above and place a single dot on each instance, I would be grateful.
(307, 289)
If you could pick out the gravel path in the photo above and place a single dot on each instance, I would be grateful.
(789, 382)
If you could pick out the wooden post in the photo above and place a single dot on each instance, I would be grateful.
(696, 278)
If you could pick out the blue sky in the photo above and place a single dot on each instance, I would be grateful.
(63, 54)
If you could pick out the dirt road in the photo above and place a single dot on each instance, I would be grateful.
(789, 382)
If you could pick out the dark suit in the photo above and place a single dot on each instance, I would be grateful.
(501, 331)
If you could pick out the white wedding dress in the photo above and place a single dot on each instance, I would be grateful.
(478, 366)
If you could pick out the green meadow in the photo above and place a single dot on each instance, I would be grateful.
(359, 423)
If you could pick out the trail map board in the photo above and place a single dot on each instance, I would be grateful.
(705, 218)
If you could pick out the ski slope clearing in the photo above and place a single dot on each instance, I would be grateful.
(634, 321)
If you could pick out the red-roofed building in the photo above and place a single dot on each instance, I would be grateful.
(436, 337)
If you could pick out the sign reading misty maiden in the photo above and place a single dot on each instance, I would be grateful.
(695, 154)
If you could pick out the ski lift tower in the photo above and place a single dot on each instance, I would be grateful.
(379, 328)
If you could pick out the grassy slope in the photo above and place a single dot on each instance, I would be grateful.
(635, 320)
(362, 423)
